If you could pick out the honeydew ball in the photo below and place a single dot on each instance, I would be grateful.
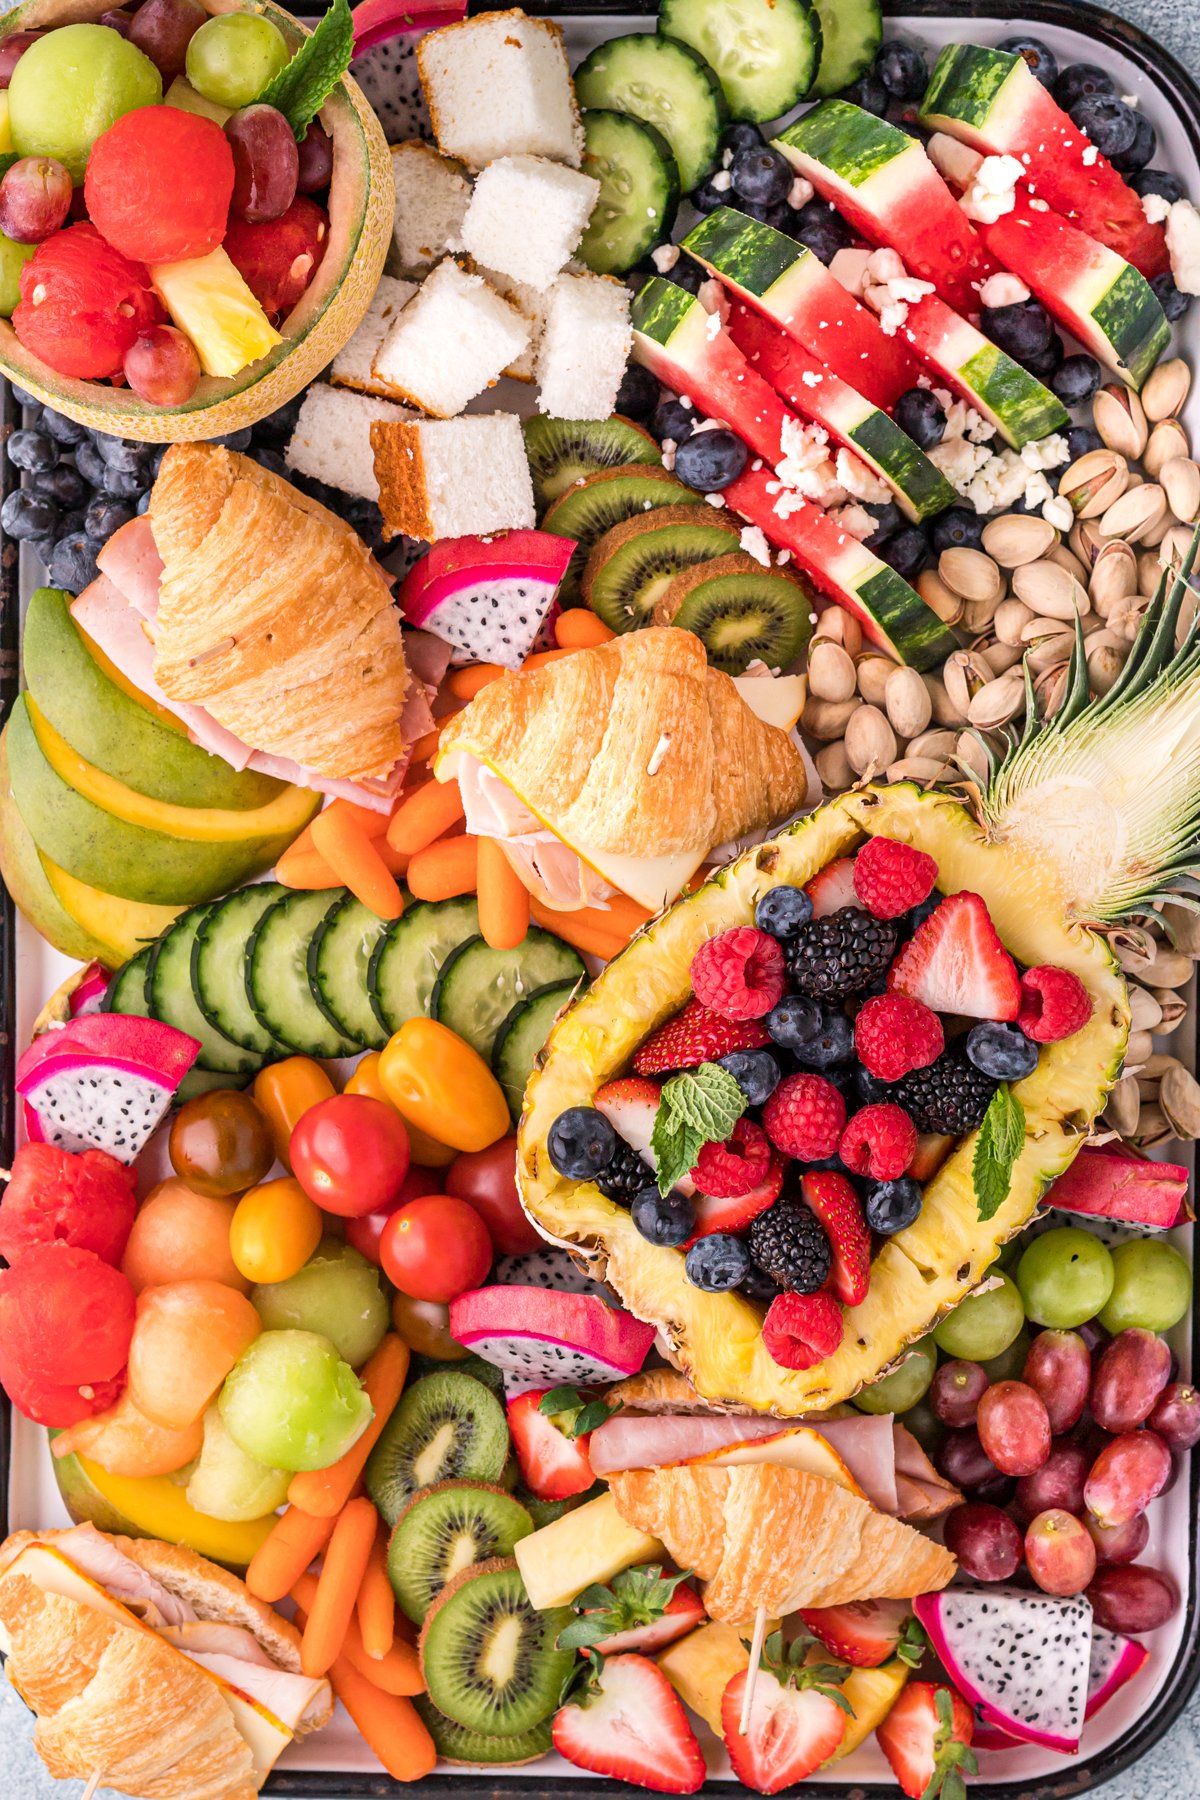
(70, 86)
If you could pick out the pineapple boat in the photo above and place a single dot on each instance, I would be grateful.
(1090, 817)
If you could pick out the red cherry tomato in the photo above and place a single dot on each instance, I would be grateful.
(435, 1248)
(364, 1233)
(350, 1154)
(487, 1180)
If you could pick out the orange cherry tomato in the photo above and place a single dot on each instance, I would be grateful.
(275, 1230)
(350, 1154)
(425, 1150)
(435, 1248)
(425, 1327)
(285, 1091)
(437, 1080)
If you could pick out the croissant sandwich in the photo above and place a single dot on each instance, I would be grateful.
(620, 768)
(151, 1665)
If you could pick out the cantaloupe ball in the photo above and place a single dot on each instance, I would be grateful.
(186, 1338)
(181, 1236)
(125, 1442)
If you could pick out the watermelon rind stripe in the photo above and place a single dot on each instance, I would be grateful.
(913, 628)
(851, 143)
(904, 465)
(1134, 323)
(752, 254)
(965, 82)
(659, 309)
(1028, 409)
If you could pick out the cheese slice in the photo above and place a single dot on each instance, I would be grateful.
(777, 700)
(796, 1448)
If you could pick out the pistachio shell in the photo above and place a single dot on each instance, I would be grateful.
(1165, 389)
(826, 720)
(907, 703)
(923, 769)
(945, 711)
(964, 673)
(1135, 513)
(1174, 547)
(1134, 948)
(978, 615)
(997, 702)
(1153, 1127)
(1124, 1104)
(1114, 577)
(1167, 440)
(1067, 559)
(1150, 568)
(1179, 1098)
(1011, 617)
(1093, 481)
(835, 772)
(1086, 541)
(1183, 926)
(1104, 664)
(938, 743)
(1118, 417)
(831, 674)
(1145, 1014)
(1168, 969)
(842, 627)
(1001, 658)
(870, 741)
(969, 752)
(945, 602)
(1052, 592)
(1017, 538)
(873, 673)
(1180, 481)
(1050, 653)
(1174, 1010)
(1140, 1044)
(971, 574)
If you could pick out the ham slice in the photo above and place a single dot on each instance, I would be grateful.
(651, 1440)
(291, 1699)
(865, 1444)
(131, 562)
(922, 1492)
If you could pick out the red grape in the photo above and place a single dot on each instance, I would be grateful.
(35, 198)
(1126, 1476)
(1060, 1555)
(1059, 1368)
(1014, 1427)
(266, 163)
(162, 366)
(1133, 1599)
(316, 160)
(1058, 1483)
(163, 29)
(1119, 1543)
(1176, 1415)
(961, 1459)
(12, 48)
(1093, 1335)
(957, 1390)
(985, 1541)
(116, 20)
(1130, 1375)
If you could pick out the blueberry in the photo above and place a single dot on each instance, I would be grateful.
(72, 563)
(1022, 329)
(1173, 303)
(123, 484)
(91, 464)
(1081, 439)
(143, 502)
(667, 1219)
(1042, 61)
(868, 92)
(62, 484)
(869, 1089)
(741, 135)
(122, 453)
(104, 516)
(637, 395)
(1001, 1051)
(890, 1206)
(1078, 80)
(1157, 181)
(32, 450)
(907, 551)
(1048, 361)
(796, 1020)
(1108, 122)
(717, 1263)
(61, 429)
(157, 453)
(70, 523)
(755, 1071)
(28, 515)
(902, 69)
(921, 415)
(710, 460)
(759, 1286)
(581, 1143)
(706, 198)
(672, 419)
(1076, 380)
(832, 1044)
(367, 520)
(234, 440)
(783, 910)
(823, 229)
(276, 429)
(778, 217)
(887, 516)
(956, 529)
(911, 128)
(761, 175)
(916, 916)
(1141, 151)
(20, 397)
(43, 549)
(267, 458)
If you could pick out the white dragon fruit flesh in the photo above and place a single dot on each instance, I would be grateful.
(386, 71)
(1114, 1661)
(488, 597)
(552, 1269)
(1021, 1659)
(547, 1338)
(103, 1082)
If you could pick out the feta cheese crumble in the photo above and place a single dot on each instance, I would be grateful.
(800, 193)
(1156, 208)
(992, 192)
(858, 480)
(1003, 290)
(753, 541)
(1183, 246)
(664, 257)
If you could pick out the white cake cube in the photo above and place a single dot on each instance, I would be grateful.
(452, 341)
(584, 347)
(526, 217)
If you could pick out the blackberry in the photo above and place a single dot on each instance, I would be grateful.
(842, 953)
(788, 1243)
(951, 1095)
(624, 1177)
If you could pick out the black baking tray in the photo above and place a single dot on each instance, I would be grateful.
(1182, 94)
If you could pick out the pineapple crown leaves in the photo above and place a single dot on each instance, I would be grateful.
(304, 84)
(1000, 1142)
(636, 1597)
(788, 1663)
(700, 1106)
(572, 1414)
(951, 1757)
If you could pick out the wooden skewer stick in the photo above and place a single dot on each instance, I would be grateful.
(756, 1646)
(94, 1780)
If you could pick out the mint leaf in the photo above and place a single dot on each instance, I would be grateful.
(1001, 1140)
(674, 1147)
(304, 84)
(699, 1107)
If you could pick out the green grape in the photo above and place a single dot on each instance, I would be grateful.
(337, 1294)
(906, 1384)
(233, 57)
(1065, 1277)
(1010, 1363)
(70, 86)
(226, 1483)
(1152, 1287)
(985, 1323)
(925, 1426)
(13, 258)
(290, 1401)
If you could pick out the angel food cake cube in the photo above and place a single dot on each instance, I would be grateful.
(332, 438)
(584, 347)
(531, 303)
(352, 364)
(452, 341)
(498, 84)
(432, 196)
(443, 478)
(526, 217)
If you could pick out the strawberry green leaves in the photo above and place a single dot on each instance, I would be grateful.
(573, 1415)
(637, 1597)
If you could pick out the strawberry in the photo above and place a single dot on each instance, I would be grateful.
(797, 1718)
(644, 1610)
(927, 1740)
(629, 1723)
(835, 1203)
(735, 1214)
(867, 1632)
(833, 888)
(553, 1459)
(697, 1035)
(630, 1104)
(956, 963)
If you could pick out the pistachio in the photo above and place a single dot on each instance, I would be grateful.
(1174, 547)
(1125, 619)
(1104, 664)
(1180, 480)
(945, 712)
(1147, 1085)
(826, 720)
(971, 574)
(1118, 416)
(1145, 1013)
(1050, 653)
(1167, 969)
(1093, 481)
(970, 754)
(1167, 440)
(923, 769)
(1189, 611)
(1179, 1098)
(1140, 1044)
(978, 615)
(1155, 1065)
(1134, 948)
(842, 627)
(1017, 538)
(1000, 658)
(945, 602)
(1135, 513)
(1174, 1010)
(870, 741)
(831, 674)
(835, 772)
(1166, 389)
(1114, 577)
(1051, 689)
(1086, 541)
(907, 703)
(1011, 617)
(1124, 1104)
(964, 673)
(873, 673)
(997, 702)
(1091, 625)
(938, 743)
(1067, 559)
(1053, 593)
(1150, 567)
(1182, 925)
(1153, 1126)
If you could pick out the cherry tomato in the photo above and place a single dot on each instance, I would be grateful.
(435, 1248)
(424, 1149)
(350, 1154)
(425, 1327)
(437, 1080)
(285, 1091)
(487, 1180)
(274, 1231)
(220, 1144)
(364, 1233)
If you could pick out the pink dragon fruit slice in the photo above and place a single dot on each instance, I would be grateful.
(1115, 1660)
(1110, 1183)
(990, 1737)
(90, 990)
(1021, 1659)
(487, 596)
(379, 21)
(103, 1082)
(550, 1269)
(546, 1338)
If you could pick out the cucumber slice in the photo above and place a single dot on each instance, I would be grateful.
(126, 992)
(199, 1081)
(219, 964)
(338, 959)
(408, 958)
(277, 983)
(639, 190)
(665, 83)
(478, 986)
(522, 1035)
(172, 999)
(765, 52)
(851, 33)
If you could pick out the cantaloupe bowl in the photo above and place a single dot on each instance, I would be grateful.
(361, 209)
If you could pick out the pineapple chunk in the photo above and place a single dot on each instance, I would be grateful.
(872, 1693)
(593, 1543)
(207, 299)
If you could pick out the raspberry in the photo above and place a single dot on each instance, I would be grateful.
(1054, 1004)
(879, 1141)
(890, 877)
(801, 1330)
(739, 974)
(696, 1035)
(804, 1117)
(82, 303)
(145, 217)
(726, 1171)
(894, 1035)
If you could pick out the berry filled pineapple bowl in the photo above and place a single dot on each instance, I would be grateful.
(195, 205)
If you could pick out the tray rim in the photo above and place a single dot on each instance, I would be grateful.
(1180, 1682)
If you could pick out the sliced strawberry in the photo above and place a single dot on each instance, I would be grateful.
(697, 1035)
(833, 888)
(835, 1203)
(553, 1465)
(956, 963)
(866, 1632)
(643, 1610)
(630, 1105)
(932, 1150)
(629, 1723)
(713, 1214)
(793, 1729)
(926, 1738)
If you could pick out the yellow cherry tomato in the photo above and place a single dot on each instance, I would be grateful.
(436, 1081)
(275, 1230)
(425, 1150)
(285, 1091)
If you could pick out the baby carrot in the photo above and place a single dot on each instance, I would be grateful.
(541, 657)
(624, 914)
(376, 1607)
(372, 823)
(342, 841)
(424, 815)
(281, 1560)
(444, 869)
(399, 1672)
(305, 867)
(503, 898)
(390, 1725)
(464, 684)
(342, 1570)
(580, 929)
(580, 629)
(324, 1492)
(394, 861)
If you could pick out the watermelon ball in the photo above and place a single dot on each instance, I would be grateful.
(88, 1201)
(83, 303)
(66, 1321)
(278, 259)
(145, 217)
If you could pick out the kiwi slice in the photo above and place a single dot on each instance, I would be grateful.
(455, 1744)
(447, 1427)
(740, 611)
(563, 451)
(488, 1655)
(442, 1531)
(544, 1512)
(597, 503)
(632, 565)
